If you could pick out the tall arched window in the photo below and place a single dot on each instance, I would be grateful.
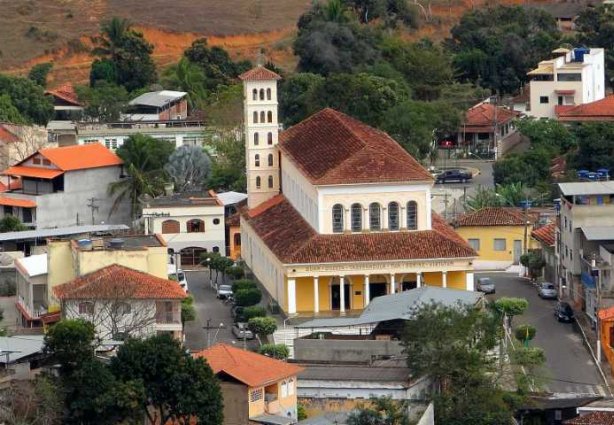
(375, 222)
(269, 116)
(237, 239)
(356, 216)
(270, 162)
(170, 226)
(269, 138)
(257, 160)
(338, 218)
(255, 94)
(262, 116)
(393, 216)
(412, 215)
(255, 119)
(256, 139)
(258, 182)
(270, 182)
(268, 94)
(195, 226)
(261, 94)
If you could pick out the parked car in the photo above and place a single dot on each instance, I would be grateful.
(241, 331)
(179, 276)
(486, 285)
(547, 290)
(224, 291)
(237, 313)
(457, 175)
(563, 312)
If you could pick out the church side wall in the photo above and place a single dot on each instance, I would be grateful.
(300, 192)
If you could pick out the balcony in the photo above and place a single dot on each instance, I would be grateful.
(167, 318)
(33, 313)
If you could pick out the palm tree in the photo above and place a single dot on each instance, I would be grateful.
(111, 37)
(188, 77)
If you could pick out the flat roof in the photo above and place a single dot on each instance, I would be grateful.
(185, 199)
(157, 98)
(20, 346)
(231, 198)
(587, 188)
(353, 373)
(598, 233)
(60, 231)
(34, 265)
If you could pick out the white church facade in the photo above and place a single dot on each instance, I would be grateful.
(338, 212)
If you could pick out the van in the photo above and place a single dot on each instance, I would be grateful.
(179, 276)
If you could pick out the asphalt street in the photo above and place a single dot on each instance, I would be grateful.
(569, 365)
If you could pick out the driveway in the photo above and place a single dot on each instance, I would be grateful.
(569, 365)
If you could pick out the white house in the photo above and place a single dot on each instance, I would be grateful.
(573, 77)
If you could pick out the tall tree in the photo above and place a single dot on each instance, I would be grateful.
(28, 98)
(594, 28)
(186, 76)
(188, 167)
(228, 169)
(39, 72)
(104, 102)
(71, 343)
(8, 111)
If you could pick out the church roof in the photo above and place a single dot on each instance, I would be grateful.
(259, 73)
(330, 147)
(294, 241)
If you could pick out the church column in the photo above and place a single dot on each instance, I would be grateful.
(418, 280)
(365, 218)
(291, 296)
(469, 281)
(392, 284)
(444, 279)
(367, 291)
(342, 294)
(316, 294)
(347, 221)
(384, 218)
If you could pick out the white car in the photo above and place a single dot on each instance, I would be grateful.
(224, 291)
(179, 276)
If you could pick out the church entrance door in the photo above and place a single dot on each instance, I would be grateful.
(335, 296)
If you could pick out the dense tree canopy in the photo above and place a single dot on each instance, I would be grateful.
(595, 28)
(595, 146)
(8, 111)
(39, 72)
(104, 102)
(28, 98)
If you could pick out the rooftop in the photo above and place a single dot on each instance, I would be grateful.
(34, 265)
(593, 418)
(157, 99)
(545, 234)
(231, 198)
(485, 114)
(332, 148)
(493, 216)
(16, 202)
(115, 280)
(252, 369)
(125, 242)
(65, 92)
(354, 373)
(259, 73)
(60, 231)
(7, 134)
(294, 241)
(587, 188)
(600, 110)
(598, 233)
(20, 346)
(195, 198)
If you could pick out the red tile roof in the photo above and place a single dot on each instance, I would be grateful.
(7, 135)
(493, 216)
(330, 147)
(259, 73)
(15, 202)
(594, 418)
(114, 280)
(38, 172)
(600, 110)
(606, 313)
(254, 370)
(545, 234)
(294, 241)
(80, 157)
(14, 183)
(482, 117)
(66, 92)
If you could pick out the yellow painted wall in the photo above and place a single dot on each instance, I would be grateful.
(432, 279)
(60, 268)
(152, 260)
(304, 294)
(235, 251)
(457, 280)
(325, 293)
(358, 285)
(487, 235)
(257, 407)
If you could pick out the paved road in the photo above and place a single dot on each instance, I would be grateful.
(208, 309)
(570, 367)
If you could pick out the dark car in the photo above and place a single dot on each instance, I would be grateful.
(486, 285)
(456, 175)
(563, 312)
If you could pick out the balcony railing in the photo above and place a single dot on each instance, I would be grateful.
(168, 318)
(35, 312)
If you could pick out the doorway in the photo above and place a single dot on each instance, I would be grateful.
(335, 296)
(407, 285)
(377, 290)
(517, 251)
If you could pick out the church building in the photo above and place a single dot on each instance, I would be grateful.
(338, 212)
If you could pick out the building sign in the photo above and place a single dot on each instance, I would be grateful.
(440, 264)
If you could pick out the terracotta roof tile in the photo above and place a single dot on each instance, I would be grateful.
(38, 172)
(66, 92)
(545, 234)
(483, 115)
(330, 147)
(493, 216)
(259, 73)
(15, 202)
(600, 110)
(7, 135)
(294, 241)
(81, 157)
(114, 280)
(254, 370)
(594, 418)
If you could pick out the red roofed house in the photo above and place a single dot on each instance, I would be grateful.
(256, 388)
(65, 103)
(488, 130)
(123, 302)
(17, 142)
(58, 185)
(546, 237)
(599, 111)
(338, 212)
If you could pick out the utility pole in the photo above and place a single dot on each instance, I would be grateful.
(93, 207)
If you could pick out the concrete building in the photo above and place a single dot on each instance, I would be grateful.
(162, 105)
(66, 103)
(66, 186)
(545, 236)
(21, 357)
(573, 77)
(190, 223)
(352, 218)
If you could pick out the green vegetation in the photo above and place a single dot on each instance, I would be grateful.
(188, 167)
(104, 102)
(27, 98)
(525, 333)
(382, 410)
(262, 326)
(10, 223)
(241, 284)
(534, 262)
(188, 312)
(39, 72)
(248, 297)
(277, 351)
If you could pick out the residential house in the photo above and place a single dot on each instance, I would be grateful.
(20, 357)
(598, 111)
(233, 202)
(521, 102)
(338, 212)
(68, 259)
(551, 409)
(572, 77)
(66, 186)
(255, 388)
(564, 12)
(162, 105)
(606, 336)
(17, 142)
(500, 235)
(122, 302)
(66, 104)
(191, 223)
(545, 236)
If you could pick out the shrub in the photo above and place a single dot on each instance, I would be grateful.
(524, 332)
(253, 311)
(277, 351)
(301, 412)
(243, 284)
(247, 297)
(262, 326)
(235, 272)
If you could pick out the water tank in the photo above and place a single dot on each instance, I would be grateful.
(583, 174)
(579, 52)
(85, 244)
(116, 243)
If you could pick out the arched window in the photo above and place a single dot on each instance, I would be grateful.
(257, 160)
(255, 94)
(338, 218)
(255, 117)
(270, 160)
(284, 389)
(237, 239)
(356, 216)
(269, 138)
(270, 182)
(258, 182)
(375, 222)
(412, 215)
(393, 216)
(170, 226)
(269, 116)
(261, 94)
(268, 94)
(262, 116)
(256, 138)
(195, 226)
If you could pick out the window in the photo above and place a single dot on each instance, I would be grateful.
(47, 162)
(291, 387)
(261, 116)
(86, 308)
(269, 116)
(237, 239)
(569, 77)
(195, 226)
(338, 218)
(475, 244)
(268, 94)
(356, 213)
(412, 215)
(256, 139)
(255, 94)
(393, 216)
(270, 182)
(257, 160)
(544, 99)
(375, 222)
(216, 221)
(255, 118)
(256, 395)
(36, 161)
(284, 389)
(261, 94)
(258, 182)
(269, 137)
(170, 226)
(216, 249)
(499, 245)
(123, 308)
(270, 161)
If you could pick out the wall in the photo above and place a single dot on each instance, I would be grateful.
(487, 235)
(235, 403)
(333, 350)
(235, 250)
(152, 260)
(113, 138)
(300, 192)
(60, 268)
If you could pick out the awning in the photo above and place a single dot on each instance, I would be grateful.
(13, 202)
(39, 172)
